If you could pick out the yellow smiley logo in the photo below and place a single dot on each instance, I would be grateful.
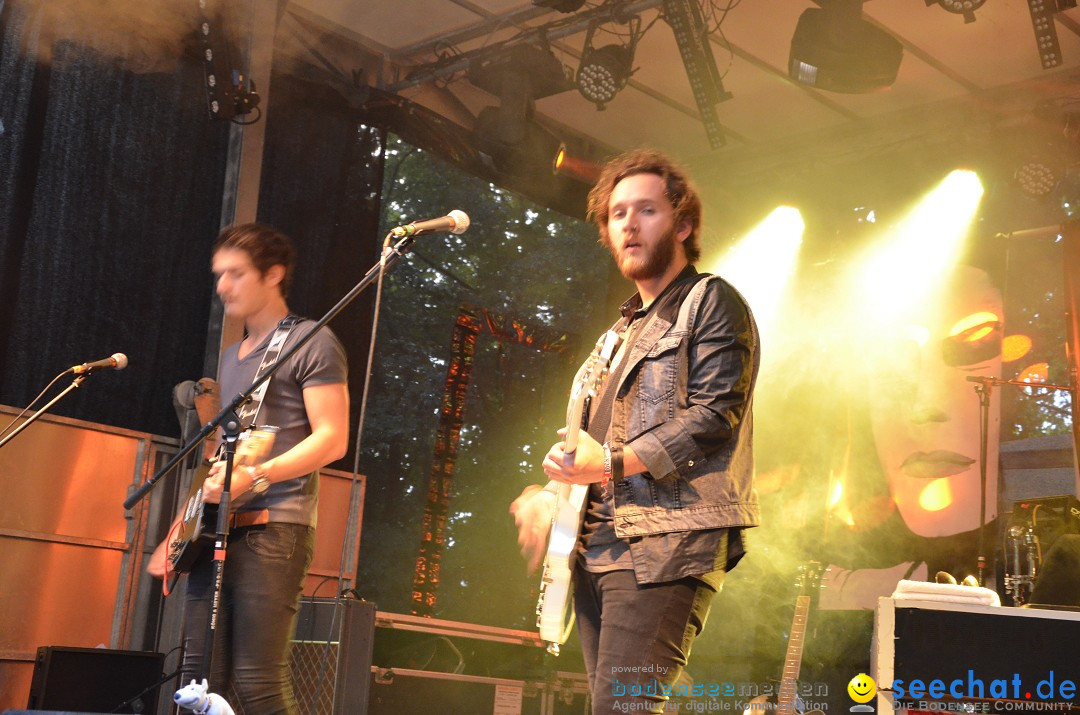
(862, 688)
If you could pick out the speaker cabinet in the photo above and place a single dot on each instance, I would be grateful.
(330, 657)
(978, 654)
(95, 680)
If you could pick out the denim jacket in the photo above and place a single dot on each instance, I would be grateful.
(684, 406)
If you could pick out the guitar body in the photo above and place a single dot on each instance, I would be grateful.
(193, 535)
(554, 609)
(198, 520)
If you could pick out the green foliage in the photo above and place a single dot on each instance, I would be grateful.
(524, 262)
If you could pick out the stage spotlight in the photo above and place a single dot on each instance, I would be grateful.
(1036, 178)
(566, 164)
(835, 49)
(966, 8)
(922, 248)
(761, 264)
(604, 71)
(522, 155)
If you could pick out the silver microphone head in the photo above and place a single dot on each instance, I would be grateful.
(121, 360)
(461, 221)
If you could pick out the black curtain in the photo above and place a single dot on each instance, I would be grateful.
(110, 197)
(110, 191)
(322, 184)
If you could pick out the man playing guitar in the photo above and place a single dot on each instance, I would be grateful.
(273, 526)
(667, 451)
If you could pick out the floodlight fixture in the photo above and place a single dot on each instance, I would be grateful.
(604, 71)
(966, 8)
(1037, 177)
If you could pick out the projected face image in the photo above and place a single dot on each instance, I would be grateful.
(925, 414)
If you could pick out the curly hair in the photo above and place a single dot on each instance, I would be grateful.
(266, 246)
(677, 187)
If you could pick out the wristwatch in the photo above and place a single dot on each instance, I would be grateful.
(259, 482)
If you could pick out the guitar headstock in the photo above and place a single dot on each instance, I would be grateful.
(809, 579)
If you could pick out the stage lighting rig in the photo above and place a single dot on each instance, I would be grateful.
(518, 76)
(604, 71)
(692, 37)
(229, 91)
(1046, 37)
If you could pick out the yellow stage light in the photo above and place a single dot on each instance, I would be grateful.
(899, 276)
(763, 261)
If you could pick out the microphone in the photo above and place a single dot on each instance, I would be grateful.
(116, 361)
(455, 222)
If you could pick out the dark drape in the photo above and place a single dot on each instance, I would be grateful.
(321, 184)
(110, 197)
(110, 188)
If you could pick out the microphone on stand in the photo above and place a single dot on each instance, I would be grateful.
(455, 222)
(116, 361)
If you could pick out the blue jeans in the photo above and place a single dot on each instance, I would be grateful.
(261, 589)
(636, 638)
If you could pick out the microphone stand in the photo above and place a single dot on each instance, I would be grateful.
(984, 388)
(196, 692)
(77, 382)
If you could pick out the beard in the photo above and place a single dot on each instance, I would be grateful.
(654, 261)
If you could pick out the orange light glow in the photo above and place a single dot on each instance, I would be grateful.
(1036, 372)
(936, 495)
(838, 508)
(565, 164)
(1014, 347)
(984, 321)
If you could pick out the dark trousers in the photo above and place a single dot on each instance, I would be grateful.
(263, 581)
(636, 638)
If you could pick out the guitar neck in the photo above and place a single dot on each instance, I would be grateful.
(793, 658)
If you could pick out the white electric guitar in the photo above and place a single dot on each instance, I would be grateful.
(554, 610)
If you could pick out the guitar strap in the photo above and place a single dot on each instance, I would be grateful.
(249, 413)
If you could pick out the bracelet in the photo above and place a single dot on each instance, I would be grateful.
(616, 463)
(607, 464)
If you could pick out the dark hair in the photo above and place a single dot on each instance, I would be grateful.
(677, 187)
(266, 246)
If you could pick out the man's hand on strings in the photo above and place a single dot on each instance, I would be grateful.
(584, 465)
(532, 512)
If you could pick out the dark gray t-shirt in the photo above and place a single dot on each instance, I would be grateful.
(320, 362)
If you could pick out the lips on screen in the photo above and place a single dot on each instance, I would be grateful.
(925, 414)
